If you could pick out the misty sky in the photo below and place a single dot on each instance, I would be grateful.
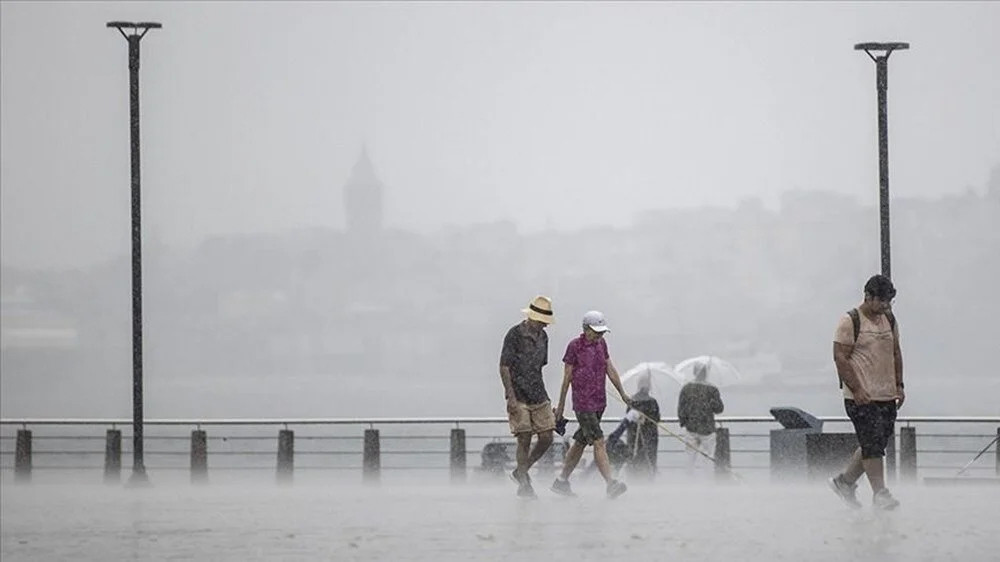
(548, 114)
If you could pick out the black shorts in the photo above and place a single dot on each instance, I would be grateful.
(874, 423)
(590, 427)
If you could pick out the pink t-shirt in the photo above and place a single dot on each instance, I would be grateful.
(589, 360)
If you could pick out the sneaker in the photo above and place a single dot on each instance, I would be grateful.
(616, 488)
(845, 491)
(524, 490)
(883, 500)
(519, 478)
(562, 487)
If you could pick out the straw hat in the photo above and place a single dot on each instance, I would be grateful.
(540, 309)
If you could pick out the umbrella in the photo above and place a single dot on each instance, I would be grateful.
(720, 372)
(659, 377)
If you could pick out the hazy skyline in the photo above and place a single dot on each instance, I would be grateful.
(547, 114)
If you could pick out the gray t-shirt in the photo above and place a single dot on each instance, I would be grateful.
(525, 352)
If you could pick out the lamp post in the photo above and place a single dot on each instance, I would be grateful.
(881, 85)
(138, 31)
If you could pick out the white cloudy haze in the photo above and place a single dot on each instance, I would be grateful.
(548, 114)
(539, 124)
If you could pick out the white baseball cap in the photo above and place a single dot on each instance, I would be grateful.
(595, 321)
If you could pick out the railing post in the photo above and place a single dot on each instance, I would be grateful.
(457, 455)
(890, 458)
(199, 456)
(997, 449)
(908, 453)
(723, 458)
(286, 455)
(113, 456)
(372, 460)
(22, 456)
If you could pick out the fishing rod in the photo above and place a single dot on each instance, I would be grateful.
(974, 459)
(687, 443)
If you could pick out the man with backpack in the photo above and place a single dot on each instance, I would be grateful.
(870, 364)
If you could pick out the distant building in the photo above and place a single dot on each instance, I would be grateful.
(27, 325)
(38, 344)
(363, 206)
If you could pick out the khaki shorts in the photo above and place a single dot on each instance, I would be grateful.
(532, 418)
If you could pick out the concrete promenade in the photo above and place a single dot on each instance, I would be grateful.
(406, 517)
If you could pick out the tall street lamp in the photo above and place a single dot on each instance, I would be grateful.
(136, 31)
(881, 85)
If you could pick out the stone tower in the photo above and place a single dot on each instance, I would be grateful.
(363, 198)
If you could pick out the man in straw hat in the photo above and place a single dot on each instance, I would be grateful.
(525, 352)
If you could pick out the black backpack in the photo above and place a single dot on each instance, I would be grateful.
(856, 320)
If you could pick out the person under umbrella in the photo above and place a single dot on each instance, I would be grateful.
(643, 439)
(697, 405)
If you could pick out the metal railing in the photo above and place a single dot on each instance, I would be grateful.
(942, 445)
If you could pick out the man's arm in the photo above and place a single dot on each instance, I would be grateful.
(508, 388)
(682, 413)
(616, 381)
(567, 379)
(508, 385)
(841, 358)
(898, 356)
(507, 355)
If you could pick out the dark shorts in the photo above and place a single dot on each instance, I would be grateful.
(874, 424)
(590, 427)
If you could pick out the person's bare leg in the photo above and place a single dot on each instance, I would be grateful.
(523, 447)
(601, 458)
(541, 445)
(572, 459)
(875, 472)
(854, 468)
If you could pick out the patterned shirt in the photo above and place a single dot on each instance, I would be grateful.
(589, 360)
(525, 352)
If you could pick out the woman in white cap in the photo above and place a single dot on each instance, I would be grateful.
(587, 363)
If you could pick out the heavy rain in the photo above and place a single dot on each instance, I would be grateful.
(483, 280)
